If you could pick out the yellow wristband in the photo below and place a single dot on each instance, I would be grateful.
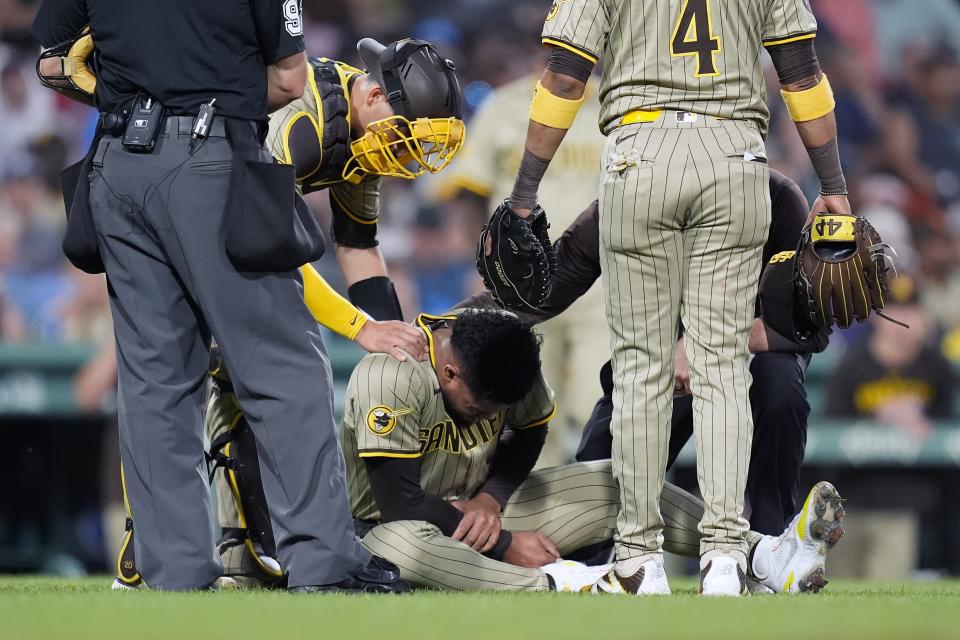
(553, 111)
(328, 307)
(811, 104)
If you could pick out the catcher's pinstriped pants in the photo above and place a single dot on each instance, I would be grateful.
(684, 213)
(574, 505)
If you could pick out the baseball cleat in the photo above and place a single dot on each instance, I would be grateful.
(226, 583)
(723, 576)
(794, 561)
(570, 576)
(120, 585)
(757, 588)
(649, 579)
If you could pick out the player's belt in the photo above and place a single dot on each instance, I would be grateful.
(645, 115)
(641, 115)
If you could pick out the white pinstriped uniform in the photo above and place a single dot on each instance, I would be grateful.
(574, 505)
(395, 409)
(684, 212)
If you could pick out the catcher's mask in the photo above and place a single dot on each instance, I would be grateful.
(76, 56)
(427, 129)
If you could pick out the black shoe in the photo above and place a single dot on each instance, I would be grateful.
(379, 576)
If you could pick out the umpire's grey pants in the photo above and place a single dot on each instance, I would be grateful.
(158, 219)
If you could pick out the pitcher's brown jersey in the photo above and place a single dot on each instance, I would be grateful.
(702, 56)
(395, 409)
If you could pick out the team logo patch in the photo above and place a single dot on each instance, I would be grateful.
(381, 420)
(555, 9)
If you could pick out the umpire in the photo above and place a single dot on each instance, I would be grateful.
(184, 89)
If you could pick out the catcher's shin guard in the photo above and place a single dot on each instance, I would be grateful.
(247, 545)
(127, 574)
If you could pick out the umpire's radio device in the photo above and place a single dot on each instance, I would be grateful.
(143, 126)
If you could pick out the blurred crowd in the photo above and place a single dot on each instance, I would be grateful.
(895, 70)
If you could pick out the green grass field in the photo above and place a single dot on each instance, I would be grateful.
(34, 608)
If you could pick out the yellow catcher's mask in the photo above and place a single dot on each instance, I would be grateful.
(400, 148)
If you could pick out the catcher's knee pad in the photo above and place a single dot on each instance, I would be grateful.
(246, 546)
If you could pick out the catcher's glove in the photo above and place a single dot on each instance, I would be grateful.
(72, 74)
(521, 262)
(840, 270)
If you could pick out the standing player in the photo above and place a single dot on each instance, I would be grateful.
(684, 211)
(777, 394)
(577, 343)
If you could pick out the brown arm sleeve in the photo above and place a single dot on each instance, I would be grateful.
(513, 460)
(578, 252)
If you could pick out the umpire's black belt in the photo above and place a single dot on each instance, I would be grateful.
(183, 126)
(114, 125)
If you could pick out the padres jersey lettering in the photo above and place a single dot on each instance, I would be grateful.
(395, 409)
(701, 56)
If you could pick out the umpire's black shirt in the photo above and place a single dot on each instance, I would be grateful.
(181, 52)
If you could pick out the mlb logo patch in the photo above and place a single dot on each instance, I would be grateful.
(686, 116)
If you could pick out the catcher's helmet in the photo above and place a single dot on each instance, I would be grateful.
(426, 130)
(419, 83)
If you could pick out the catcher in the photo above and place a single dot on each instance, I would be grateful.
(400, 118)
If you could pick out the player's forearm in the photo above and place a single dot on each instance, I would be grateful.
(286, 80)
(552, 111)
(578, 256)
(395, 484)
(816, 133)
(806, 92)
(543, 139)
(516, 455)
(328, 307)
(360, 263)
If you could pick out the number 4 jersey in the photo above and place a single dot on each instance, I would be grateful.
(702, 56)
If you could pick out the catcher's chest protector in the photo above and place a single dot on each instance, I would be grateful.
(332, 108)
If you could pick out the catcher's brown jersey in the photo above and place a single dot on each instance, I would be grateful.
(701, 56)
(359, 201)
(395, 409)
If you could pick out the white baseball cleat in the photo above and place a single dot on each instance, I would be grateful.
(571, 576)
(649, 579)
(757, 588)
(120, 585)
(723, 576)
(794, 561)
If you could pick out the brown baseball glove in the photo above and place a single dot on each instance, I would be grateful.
(841, 270)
